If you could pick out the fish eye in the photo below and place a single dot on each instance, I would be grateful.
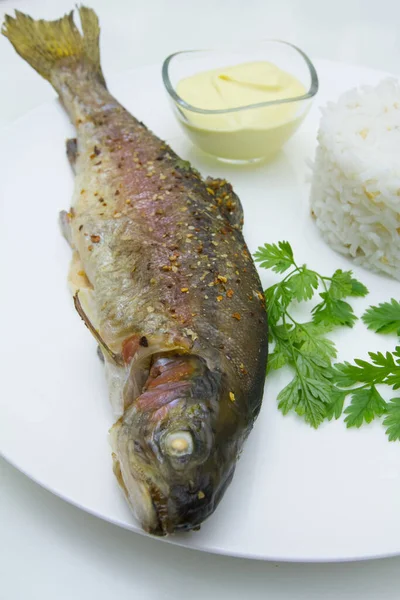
(178, 443)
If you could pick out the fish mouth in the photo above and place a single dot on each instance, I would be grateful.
(147, 503)
(171, 516)
(162, 525)
(173, 510)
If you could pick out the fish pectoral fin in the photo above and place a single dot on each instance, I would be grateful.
(228, 202)
(116, 358)
(77, 278)
(72, 151)
(64, 220)
(100, 353)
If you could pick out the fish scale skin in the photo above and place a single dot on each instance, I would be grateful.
(171, 213)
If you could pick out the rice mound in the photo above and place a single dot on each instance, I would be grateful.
(355, 191)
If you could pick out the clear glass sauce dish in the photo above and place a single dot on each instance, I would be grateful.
(246, 132)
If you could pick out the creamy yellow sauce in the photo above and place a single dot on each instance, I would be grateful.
(247, 133)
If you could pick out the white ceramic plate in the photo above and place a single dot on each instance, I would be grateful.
(298, 494)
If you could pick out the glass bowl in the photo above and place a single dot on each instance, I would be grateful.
(246, 132)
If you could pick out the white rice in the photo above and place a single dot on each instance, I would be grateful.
(355, 192)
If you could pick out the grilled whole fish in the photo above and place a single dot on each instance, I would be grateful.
(163, 279)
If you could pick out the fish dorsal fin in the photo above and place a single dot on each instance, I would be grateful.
(228, 202)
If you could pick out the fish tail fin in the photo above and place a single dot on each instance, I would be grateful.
(91, 37)
(48, 45)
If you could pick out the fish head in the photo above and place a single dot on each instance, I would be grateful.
(176, 446)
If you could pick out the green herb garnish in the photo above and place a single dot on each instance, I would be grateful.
(383, 369)
(384, 318)
(366, 402)
(392, 420)
(319, 388)
(303, 346)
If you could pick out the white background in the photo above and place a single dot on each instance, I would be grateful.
(50, 550)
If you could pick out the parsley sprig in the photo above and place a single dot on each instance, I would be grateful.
(382, 369)
(304, 346)
(319, 388)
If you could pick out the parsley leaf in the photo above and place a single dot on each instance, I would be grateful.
(311, 339)
(313, 400)
(384, 318)
(340, 284)
(300, 347)
(276, 361)
(303, 284)
(289, 396)
(278, 298)
(278, 358)
(343, 284)
(336, 404)
(307, 396)
(333, 311)
(366, 404)
(381, 369)
(392, 420)
(278, 257)
(395, 380)
(358, 288)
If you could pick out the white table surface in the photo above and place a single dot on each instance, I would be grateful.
(53, 551)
